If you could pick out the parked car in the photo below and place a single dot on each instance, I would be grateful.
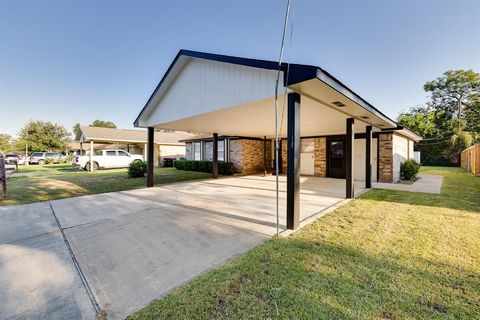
(41, 157)
(13, 158)
(107, 159)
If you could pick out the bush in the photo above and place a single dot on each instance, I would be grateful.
(137, 169)
(224, 168)
(49, 160)
(409, 169)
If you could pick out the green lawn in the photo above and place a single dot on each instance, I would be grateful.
(44, 167)
(48, 186)
(386, 255)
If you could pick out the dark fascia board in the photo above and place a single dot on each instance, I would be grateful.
(292, 73)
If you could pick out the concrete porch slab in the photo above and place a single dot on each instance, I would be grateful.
(135, 246)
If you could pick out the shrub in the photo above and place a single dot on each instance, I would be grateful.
(224, 168)
(409, 169)
(49, 160)
(137, 169)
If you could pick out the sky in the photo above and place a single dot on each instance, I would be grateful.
(77, 61)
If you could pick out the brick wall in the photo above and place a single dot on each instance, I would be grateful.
(385, 158)
(320, 168)
(247, 156)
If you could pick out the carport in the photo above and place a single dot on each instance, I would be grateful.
(218, 94)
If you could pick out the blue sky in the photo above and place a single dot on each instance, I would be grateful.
(76, 61)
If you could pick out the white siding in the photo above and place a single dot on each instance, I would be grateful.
(400, 154)
(359, 159)
(203, 86)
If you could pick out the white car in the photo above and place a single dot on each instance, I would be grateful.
(106, 159)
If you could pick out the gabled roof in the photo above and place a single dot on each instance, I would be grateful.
(88, 133)
(296, 73)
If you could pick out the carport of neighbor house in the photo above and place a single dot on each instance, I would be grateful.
(233, 96)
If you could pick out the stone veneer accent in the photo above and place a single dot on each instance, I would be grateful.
(385, 157)
(320, 169)
(247, 156)
(188, 151)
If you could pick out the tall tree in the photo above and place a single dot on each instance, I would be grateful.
(103, 124)
(43, 136)
(450, 120)
(5, 143)
(76, 129)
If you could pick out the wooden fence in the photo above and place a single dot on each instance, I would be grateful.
(470, 159)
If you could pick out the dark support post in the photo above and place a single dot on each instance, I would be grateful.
(368, 158)
(215, 155)
(349, 141)
(150, 138)
(293, 161)
(264, 156)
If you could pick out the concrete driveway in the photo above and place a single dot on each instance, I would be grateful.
(135, 246)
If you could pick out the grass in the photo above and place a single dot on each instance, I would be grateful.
(386, 255)
(48, 186)
(44, 167)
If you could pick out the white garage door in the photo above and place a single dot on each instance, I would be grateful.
(359, 165)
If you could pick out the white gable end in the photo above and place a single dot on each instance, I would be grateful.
(203, 86)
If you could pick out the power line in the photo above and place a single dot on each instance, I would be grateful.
(285, 24)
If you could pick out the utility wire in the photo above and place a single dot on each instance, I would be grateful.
(285, 24)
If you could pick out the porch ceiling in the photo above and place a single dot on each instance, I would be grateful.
(256, 119)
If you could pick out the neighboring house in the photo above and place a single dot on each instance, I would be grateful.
(320, 156)
(167, 143)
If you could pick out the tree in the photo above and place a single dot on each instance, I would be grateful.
(450, 119)
(76, 129)
(456, 94)
(103, 124)
(5, 143)
(42, 136)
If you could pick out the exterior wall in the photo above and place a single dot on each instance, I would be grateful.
(411, 154)
(385, 158)
(247, 156)
(189, 151)
(400, 154)
(211, 86)
(470, 159)
(320, 145)
(359, 151)
(171, 151)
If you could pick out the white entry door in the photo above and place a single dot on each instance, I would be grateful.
(307, 157)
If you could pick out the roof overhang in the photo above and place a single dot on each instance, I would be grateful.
(313, 83)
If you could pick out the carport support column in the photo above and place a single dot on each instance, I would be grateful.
(151, 132)
(349, 142)
(368, 158)
(293, 161)
(91, 155)
(215, 156)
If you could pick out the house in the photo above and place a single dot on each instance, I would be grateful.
(167, 143)
(320, 156)
(327, 129)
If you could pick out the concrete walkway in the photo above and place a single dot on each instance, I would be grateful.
(135, 246)
(427, 183)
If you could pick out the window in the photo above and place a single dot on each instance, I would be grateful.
(122, 153)
(197, 151)
(221, 150)
(98, 153)
(111, 153)
(37, 154)
(51, 155)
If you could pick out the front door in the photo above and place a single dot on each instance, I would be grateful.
(336, 159)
